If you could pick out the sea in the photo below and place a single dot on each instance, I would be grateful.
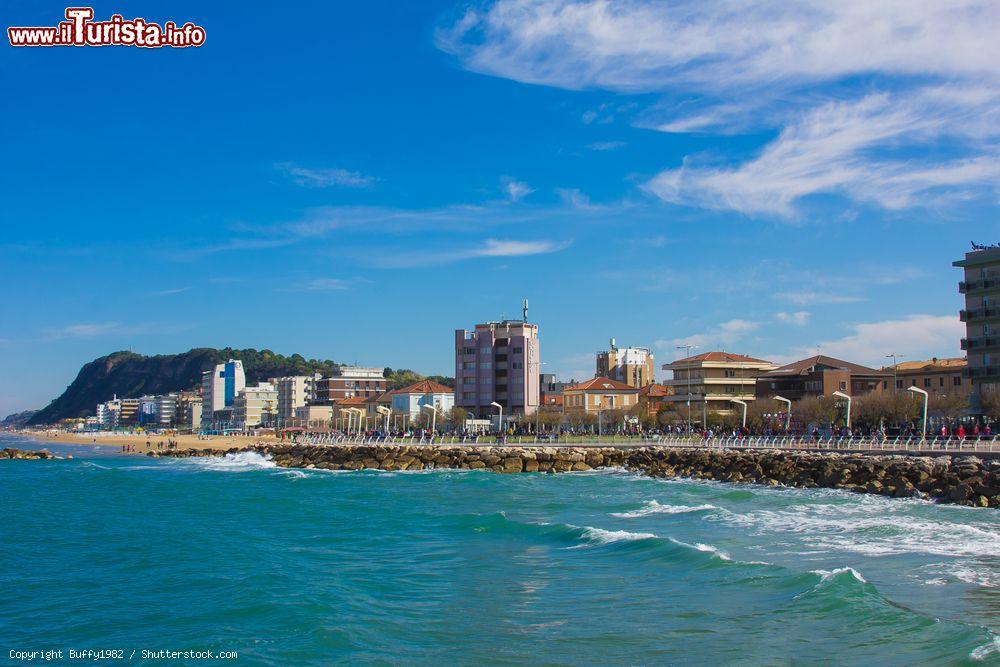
(234, 555)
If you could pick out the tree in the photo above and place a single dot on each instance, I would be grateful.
(549, 418)
(816, 410)
(765, 413)
(457, 416)
(949, 407)
(989, 399)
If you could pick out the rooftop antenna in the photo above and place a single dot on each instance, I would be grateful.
(524, 310)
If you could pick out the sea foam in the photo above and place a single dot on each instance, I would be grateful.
(653, 507)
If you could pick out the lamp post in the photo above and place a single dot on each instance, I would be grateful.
(744, 404)
(687, 355)
(841, 394)
(893, 355)
(923, 428)
(433, 417)
(499, 407)
(788, 413)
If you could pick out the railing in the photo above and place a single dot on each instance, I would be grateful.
(946, 445)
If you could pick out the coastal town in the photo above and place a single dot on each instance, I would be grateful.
(499, 387)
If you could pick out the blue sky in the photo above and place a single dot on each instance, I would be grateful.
(356, 180)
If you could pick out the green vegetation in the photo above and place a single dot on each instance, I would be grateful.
(401, 377)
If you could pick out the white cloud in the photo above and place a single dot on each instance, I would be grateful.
(606, 145)
(169, 292)
(327, 285)
(325, 177)
(111, 328)
(489, 248)
(915, 337)
(813, 298)
(799, 318)
(725, 334)
(922, 127)
(84, 330)
(515, 190)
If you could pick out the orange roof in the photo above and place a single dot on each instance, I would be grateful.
(723, 356)
(353, 400)
(425, 387)
(656, 391)
(552, 399)
(600, 384)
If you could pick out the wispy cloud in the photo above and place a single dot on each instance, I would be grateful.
(170, 291)
(515, 190)
(889, 104)
(606, 145)
(489, 248)
(328, 284)
(83, 330)
(799, 318)
(325, 177)
(812, 298)
(725, 334)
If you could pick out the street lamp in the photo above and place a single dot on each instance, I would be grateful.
(893, 355)
(744, 404)
(687, 355)
(500, 407)
(788, 413)
(840, 394)
(433, 418)
(923, 429)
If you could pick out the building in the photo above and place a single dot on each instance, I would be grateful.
(348, 382)
(219, 388)
(498, 362)
(294, 391)
(938, 377)
(598, 395)
(981, 287)
(710, 381)
(820, 376)
(653, 397)
(255, 406)
(631, 365)
(107, 414)
(188, 410)
(314, 416)
(409, 401)
(128, 412)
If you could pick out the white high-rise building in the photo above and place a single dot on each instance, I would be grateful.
(219, 388)
(294, 391)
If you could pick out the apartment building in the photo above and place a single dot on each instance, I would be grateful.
(498, 362)
(820, 376)
(631, 365)
(981, 287)
(411, 400)
(598, 395)
(128, 412)
(255, 406)
(938, 377)
(710, 381)
(219, 388)
(349, 382)
(653, 397)
(294, 391)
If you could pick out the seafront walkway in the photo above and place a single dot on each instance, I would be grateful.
(903, 445)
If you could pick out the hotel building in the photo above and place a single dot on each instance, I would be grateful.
(710, 381)
(294, 391)
(631, 365)
(498, 362)
(255, 406)
(350, 382)
(219, 388)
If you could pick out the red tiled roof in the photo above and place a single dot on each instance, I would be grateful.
(722, 356)
(353, 400)
(656, 391)
(601, 384)
(425, 387)
(805, 366)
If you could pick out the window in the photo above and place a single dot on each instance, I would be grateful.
(843, 386)
(940, 381)
(899, 384)
(957, 380)
(486, 381)
(469, 395)
(597, 400)
(486, 365)
(730, 374)
(486, 350)
(518, 350)
(913, 383)
(517, 365)
(927, 382)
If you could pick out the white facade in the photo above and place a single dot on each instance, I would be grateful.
(294, 391)
(412, 403)
(220, 386)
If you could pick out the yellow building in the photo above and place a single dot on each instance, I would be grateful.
(938, 377)
(631, 365)
(597, 395)
(710, 381)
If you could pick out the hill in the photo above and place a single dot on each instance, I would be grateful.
(130, 375)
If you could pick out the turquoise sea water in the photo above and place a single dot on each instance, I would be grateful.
(451, 567)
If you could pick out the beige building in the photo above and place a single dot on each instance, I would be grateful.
(631, 365)
(938, 377)
(710, 381)
(294, 391)
(597, 395)
(314, 416)
(255, 406)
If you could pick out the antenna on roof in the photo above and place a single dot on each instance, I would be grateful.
(524, 310)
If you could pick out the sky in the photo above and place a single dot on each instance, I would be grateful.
(355, 180)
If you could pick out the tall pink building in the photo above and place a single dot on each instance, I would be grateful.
(497, 362)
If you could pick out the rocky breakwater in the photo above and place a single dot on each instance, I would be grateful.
(12, 453)
(965, 480)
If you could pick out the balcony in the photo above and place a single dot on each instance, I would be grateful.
(980, 343)
(981, 372)
(977, 314)
(981, 285)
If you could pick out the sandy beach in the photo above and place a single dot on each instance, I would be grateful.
(143, 443)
